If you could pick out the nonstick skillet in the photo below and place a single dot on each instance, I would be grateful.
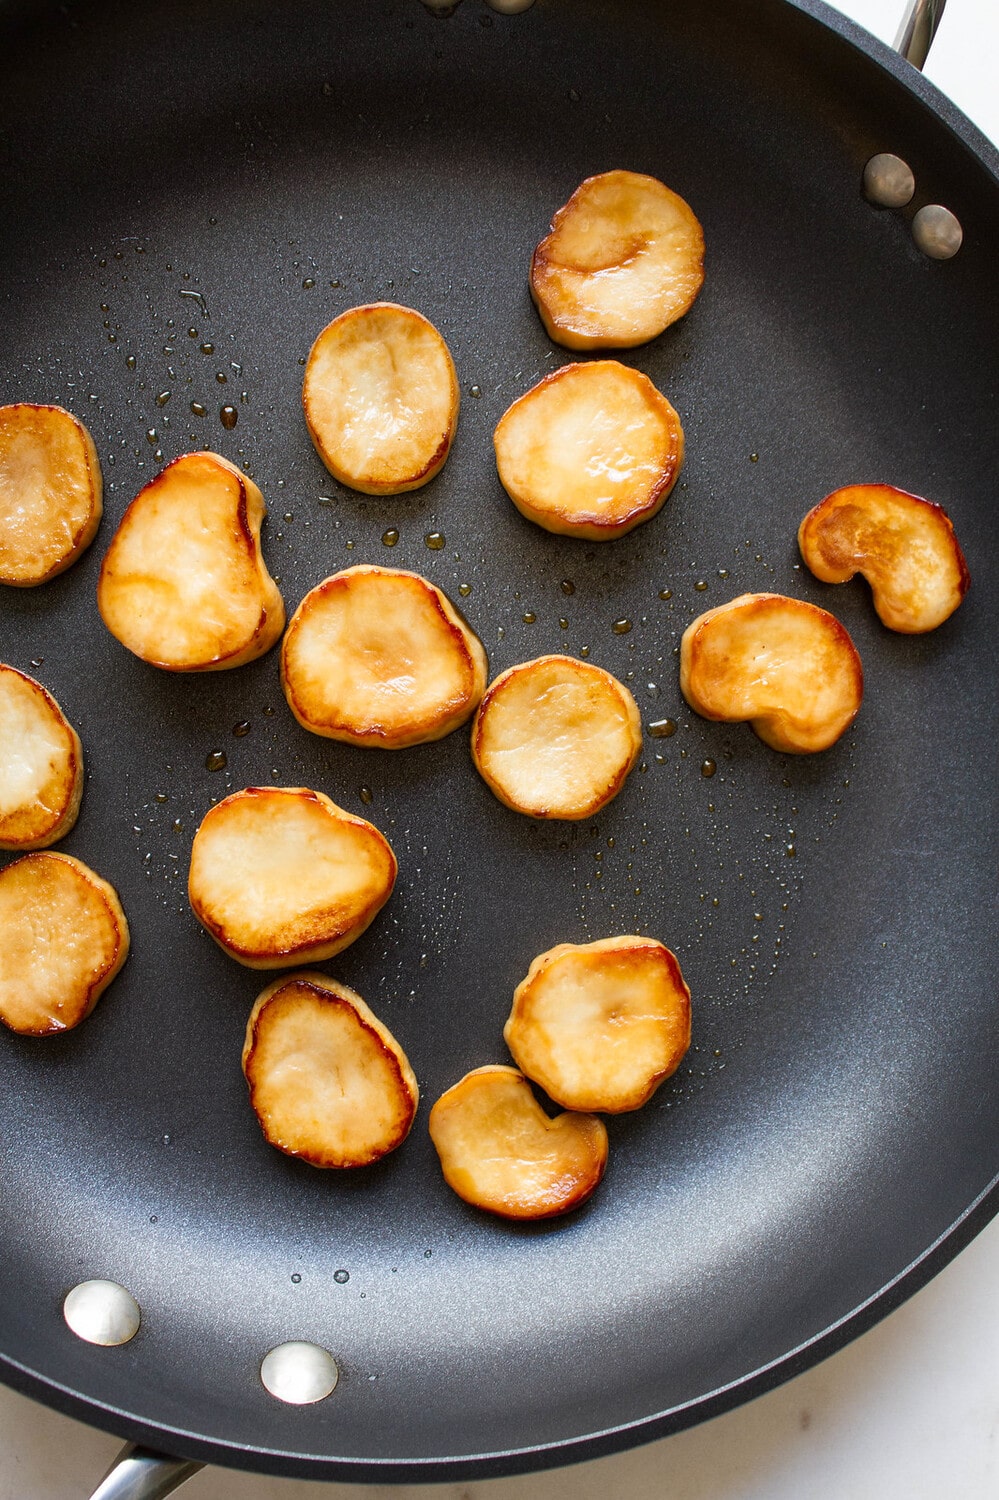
(191, 192)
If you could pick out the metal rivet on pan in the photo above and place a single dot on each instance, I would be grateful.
(102, 1312)
(299, 1373)
(510, 7)
(888, 180)
(937, 231)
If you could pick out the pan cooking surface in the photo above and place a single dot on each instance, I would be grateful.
(191, 194)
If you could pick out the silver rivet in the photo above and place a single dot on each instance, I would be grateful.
(888, 180)
(937, 231)
(510, 7)
(102, 1312)
(299, 1373)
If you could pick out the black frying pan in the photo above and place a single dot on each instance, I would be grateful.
(833, 1140)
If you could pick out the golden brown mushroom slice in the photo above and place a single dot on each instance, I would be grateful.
(328, 1081)
(501, 1152)
(64, 939)
(281, 876)
(381, 398)
(41, 765)
(788, 667)
(50, 492)
(184, 584)
(624, 259)
(903, 545)
(379, 657)
(600, 1025)
(591, 451)
(556, 737)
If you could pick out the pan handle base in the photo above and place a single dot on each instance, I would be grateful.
(140, 1474)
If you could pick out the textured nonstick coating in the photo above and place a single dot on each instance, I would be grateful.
(836, 1118)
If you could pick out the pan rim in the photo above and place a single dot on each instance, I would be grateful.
(909, 77)
(365, 1470)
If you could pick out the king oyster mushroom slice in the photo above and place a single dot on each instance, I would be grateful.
(328, 1081)
(184, 585)
(381, 398)
(41, 765)
(499, 1150)
(50, 492)
(786, 666)
(556, 737)
(65, 936)
(601, 1025)
(903, 545)
(592, 451)
(379, 657)
(281, 875)
(623, 260)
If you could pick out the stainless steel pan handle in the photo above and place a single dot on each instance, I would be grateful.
(139, 1474)
(918, 28)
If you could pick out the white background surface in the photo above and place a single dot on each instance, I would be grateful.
(908, 1412)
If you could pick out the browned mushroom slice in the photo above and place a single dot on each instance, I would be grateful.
(50, 492)
(64, 939)
(624, 259)
(381, 398)
(501, 1152)
(556, 737)
(184, 584)
(328, 1081)
(788, 667)
(380, 657)
(904, 546)
(281, 875)
(591, 451)
(41, 765)
(600, 1025)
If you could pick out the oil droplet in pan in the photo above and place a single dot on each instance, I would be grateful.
(366, 794)
(567, 586)
(708, 767)
(390, 537)
(464, 589)
(216, 760)
(435, 540)
(621, 627)
(661, 729)
(241, 729)
(228, 416)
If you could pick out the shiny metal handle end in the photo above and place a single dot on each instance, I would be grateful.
(140, 1474)
(918, 28)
